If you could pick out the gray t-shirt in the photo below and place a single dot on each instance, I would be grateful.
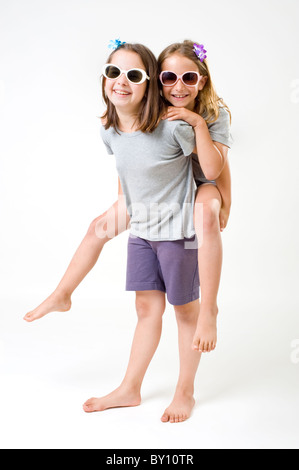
(155, 171)
(219, 132)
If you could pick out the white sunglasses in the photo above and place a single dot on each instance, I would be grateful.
(136, 76)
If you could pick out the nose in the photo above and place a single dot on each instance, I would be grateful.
(179, 84)
(122, 80)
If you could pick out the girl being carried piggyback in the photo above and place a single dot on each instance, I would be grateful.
(187, 87)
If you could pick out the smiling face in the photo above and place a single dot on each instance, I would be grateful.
(181, 95)
(125, 95)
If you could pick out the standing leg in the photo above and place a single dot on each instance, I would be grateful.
(207, 227)
(100, 231)
(183, 400)
(150, 306)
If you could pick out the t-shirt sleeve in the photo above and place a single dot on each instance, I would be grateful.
(105, 138)
(184, 135)
(220, 129)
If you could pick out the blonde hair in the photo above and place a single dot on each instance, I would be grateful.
(207, 102)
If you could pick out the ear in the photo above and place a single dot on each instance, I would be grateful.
(202, 82)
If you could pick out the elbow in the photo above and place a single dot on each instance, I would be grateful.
(212, 173)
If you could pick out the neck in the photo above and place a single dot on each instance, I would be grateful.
(127, 121)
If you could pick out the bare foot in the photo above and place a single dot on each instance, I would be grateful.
(56, 302)
(118, 398)
(179, 409)
(205, 337)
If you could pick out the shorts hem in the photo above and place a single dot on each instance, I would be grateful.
(185, 300)
(140, 286)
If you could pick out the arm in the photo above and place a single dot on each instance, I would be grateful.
(210, 157)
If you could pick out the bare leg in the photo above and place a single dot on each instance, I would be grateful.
(210, 263)
(102, 229)
(150, 306)
(183, 400)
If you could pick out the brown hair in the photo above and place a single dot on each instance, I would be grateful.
(152, 106)
(207, 101)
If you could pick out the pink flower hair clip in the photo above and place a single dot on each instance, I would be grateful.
(199, 51)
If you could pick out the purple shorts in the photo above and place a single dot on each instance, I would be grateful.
(166, 266)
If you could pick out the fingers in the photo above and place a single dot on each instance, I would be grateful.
(172, 116)
(173, 113)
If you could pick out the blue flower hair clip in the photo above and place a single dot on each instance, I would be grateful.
(199, 51)
(115, 44)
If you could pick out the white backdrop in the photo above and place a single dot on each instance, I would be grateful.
(55, 177)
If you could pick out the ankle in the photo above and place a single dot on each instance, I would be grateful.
(131, 387)
(185, 389)
(62, 294)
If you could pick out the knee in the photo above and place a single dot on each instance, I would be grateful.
(206, 216)
(98, 227)
(187, 313)
(149, 309)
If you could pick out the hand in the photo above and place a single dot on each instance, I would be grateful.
(223, 218)
(173, 113)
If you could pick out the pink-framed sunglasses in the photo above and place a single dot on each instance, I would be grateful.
(169, 78)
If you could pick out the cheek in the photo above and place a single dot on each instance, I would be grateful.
(139, 91)
(195, 92)
(166, 92)
(107, 87)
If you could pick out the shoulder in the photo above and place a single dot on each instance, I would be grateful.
(220, 129)
(106, 132)
(224, 115)
(222, 122)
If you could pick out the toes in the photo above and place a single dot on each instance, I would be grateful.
(28, 317)
(174, 418)
(177, 418)
(88, 405)
(196, 344)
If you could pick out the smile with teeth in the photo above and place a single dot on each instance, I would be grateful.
(120, 92)
(179, 96)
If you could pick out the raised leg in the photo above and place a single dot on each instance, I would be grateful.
(101, 230)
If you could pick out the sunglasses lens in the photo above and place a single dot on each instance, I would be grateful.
(135, 76)
(168, 78)
(112, 72)
(190, 78)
